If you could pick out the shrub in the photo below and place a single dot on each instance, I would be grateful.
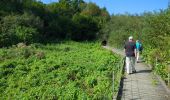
(19, 28)
(40, 55)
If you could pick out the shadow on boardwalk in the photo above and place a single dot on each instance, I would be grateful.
(144, 71)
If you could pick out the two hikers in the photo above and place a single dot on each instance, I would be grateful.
(132, 50)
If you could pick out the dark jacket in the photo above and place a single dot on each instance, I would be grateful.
(130, 47)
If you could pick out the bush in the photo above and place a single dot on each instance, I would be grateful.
(40, 55)
(19, 28)
(25, 34)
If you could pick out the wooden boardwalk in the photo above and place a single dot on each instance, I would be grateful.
(142, 85)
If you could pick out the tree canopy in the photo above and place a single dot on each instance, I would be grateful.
(65, 19)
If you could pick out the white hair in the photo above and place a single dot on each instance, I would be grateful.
(130, 37)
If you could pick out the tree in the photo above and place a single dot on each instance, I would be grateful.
(91, 10)
(85, 26)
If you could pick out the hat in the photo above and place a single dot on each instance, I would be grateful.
(130, 37)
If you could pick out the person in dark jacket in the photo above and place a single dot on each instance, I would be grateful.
(130, 52)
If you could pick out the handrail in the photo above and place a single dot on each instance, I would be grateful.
(118, 77)
(120, 66)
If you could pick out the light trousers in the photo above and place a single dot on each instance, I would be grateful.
(130, 64)
(137, 56)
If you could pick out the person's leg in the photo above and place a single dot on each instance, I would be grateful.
(133, 64)
(137, 58)
(128, 65)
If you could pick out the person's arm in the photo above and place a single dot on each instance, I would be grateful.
(125, 49)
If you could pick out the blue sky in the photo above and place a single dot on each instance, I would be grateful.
(130, 6)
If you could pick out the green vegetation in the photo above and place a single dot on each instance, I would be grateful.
(34, 64)
(31, 21)
(68, 70)
(42, 67)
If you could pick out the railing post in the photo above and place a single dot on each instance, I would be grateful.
(156, 60)
(113, 83)
(168, 74)
(168, 78)
(155, 64)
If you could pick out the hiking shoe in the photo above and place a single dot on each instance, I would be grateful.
(128, 73)
(134, 71)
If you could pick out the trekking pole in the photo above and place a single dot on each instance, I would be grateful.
(168, 74)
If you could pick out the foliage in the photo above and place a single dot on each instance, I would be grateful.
(86, 26)
(57, 71)
(19, 28)
(23, 20)
(158, 36)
